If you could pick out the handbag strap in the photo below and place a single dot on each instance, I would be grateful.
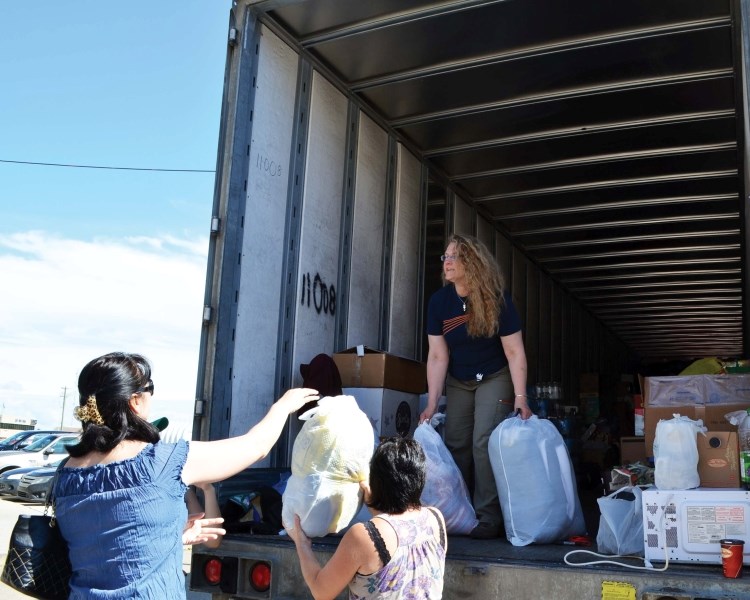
(440, 525)
(50, 501)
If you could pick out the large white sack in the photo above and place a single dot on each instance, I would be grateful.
(444, 487)
(676, 453)
(535, 482)
(331, 455)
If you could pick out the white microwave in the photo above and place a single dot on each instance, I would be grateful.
(686, 525)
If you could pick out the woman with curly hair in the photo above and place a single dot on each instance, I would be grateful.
(476, 351)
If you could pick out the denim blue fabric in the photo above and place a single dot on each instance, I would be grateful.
(123, 522)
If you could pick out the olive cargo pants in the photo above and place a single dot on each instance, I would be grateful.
(473, 411)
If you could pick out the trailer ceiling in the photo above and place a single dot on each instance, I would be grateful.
(605, 138)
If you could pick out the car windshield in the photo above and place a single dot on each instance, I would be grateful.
(40, 444)
(30, 440)
(61, 445)
(14, 438)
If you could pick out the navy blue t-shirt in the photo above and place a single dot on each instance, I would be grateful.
(468, 355)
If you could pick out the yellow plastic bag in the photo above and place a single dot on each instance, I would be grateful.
(331, 455)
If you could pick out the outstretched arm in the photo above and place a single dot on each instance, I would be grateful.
(215, 461)
(326, 582)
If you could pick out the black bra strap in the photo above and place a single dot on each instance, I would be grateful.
(440, 525)
(377, 540)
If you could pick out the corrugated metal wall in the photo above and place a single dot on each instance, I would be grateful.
(339, 230)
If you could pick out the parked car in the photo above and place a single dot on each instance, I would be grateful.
(41, 453)
(21, 439)
(9, 480)
(36, 484)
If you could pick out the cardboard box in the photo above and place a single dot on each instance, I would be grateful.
(718, 459)
(705, 397)
(632, 449)
(711, 415)
(391, 412)
(682, 390)
(363, 367)
(685, 390)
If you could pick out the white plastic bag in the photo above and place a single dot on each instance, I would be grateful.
(444, 487)
(741, 418)
(535, 482)
(676, 453)
(331, 455)
(621, 522)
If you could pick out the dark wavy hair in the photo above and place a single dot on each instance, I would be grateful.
(397, 475)
(113, 379)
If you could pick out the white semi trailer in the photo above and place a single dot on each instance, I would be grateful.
(587, 143)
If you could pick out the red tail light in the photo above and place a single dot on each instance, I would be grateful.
(212, 571)
(260, 576)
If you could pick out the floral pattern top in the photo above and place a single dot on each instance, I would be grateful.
(416, 568)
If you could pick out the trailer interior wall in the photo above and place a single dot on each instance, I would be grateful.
(329, 240)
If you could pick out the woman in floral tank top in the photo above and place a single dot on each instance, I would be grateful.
(400, 552)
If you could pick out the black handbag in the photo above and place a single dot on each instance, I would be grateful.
(37, 563)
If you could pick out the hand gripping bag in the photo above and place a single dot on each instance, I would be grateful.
(444, 486)
(535, 482)
(676, 453)
(331, 455)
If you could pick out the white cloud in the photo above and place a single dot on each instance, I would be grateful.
(67, 301)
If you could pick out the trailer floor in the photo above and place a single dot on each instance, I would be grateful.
(501, 551)
(496, 568)
(548, 560)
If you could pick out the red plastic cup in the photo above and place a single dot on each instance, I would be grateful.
(732, 552)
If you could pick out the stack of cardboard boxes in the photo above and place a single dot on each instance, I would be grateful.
(705, 397)
(386, 388)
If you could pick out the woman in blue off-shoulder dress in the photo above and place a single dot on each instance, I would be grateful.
(120, 497)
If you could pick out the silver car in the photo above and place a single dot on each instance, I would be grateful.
(41, 453)
(36, 485)
(21, 439)
(9, 480)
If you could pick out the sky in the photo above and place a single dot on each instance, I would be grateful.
(101, 260)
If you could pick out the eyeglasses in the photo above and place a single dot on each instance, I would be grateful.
(149, 388)
(447, 257)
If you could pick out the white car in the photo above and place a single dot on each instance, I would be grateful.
(41, 453)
